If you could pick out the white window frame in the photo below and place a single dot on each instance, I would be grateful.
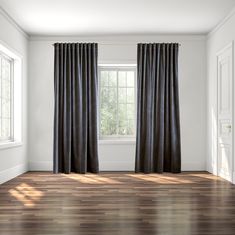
(16, 97)
(117, 67)
(11, 61)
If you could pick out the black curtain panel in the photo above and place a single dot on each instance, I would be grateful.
(158, 126)
(75, 114)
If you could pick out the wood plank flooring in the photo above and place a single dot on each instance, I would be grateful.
(38, 203)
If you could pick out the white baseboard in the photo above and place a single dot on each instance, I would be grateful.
(12, 172)
(113, 166)
(116, 166)
(104, 166)
(209, 169)
(193, 166)
(233, 179)
(130, 166)
(41, 166)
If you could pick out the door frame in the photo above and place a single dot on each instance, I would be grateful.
(230, 45)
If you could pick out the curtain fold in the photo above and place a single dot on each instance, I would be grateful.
(158, 125)
(75, 109)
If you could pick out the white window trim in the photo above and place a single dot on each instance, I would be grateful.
(117, 139)
(17, 96)
(117, 142)
(11, 61)
(10, 144)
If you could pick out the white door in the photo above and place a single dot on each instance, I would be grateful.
(225, 112)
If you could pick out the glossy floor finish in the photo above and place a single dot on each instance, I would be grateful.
(117, 203)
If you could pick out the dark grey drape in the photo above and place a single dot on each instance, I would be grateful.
(75, 115)
(158, 126)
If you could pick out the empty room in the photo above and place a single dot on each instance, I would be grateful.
(117, 117)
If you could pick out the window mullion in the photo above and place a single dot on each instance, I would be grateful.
(135, 100)
(117, 116)
(11, 101)
(99, 93)
(126, 103)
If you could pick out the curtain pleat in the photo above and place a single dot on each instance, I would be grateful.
(158, 147)
(75, 111)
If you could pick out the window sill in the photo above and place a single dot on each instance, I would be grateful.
(13, 144)
(117, 142)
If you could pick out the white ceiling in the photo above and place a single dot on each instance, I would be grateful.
(82, 17)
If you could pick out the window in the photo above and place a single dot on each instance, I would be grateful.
(6, 101)
(10, 98)
(117, 101)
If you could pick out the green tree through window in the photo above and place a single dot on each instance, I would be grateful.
(117, 101)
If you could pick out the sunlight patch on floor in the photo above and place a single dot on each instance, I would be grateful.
(205, 176)
(161, 179)
(92, 179)
(26, 194)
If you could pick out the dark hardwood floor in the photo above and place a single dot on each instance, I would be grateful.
(117, 203)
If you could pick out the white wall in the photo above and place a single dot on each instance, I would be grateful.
(217, 40)
(196, 148)
(13, 161)
(119, 49)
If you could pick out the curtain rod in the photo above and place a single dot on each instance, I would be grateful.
(115, 43)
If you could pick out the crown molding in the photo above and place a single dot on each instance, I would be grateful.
(183, 37)
(120, 39)
(13, 23)
(221, 23)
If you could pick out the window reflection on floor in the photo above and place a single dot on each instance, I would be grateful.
(161, 179)
(92, 179)
(26, 194)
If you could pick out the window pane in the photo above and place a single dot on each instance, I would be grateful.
(117, 102)
(0, 80)
(108, 125)
(113, 96)
(104, 96)
(5, 128)
(6, 70)
(122, 112)
(104, 79)
(108, 115)
(122, 79)
(130, 127)
(130, 111)
(6, 89)
(6, 108)
(112, 78)
(122, 129)
(122, 95)
(108, 112)
(5, 98)
(130, 79)
(122, 119)
(130, 95)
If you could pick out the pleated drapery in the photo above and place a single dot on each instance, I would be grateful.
(75, 111)
(158, 146)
